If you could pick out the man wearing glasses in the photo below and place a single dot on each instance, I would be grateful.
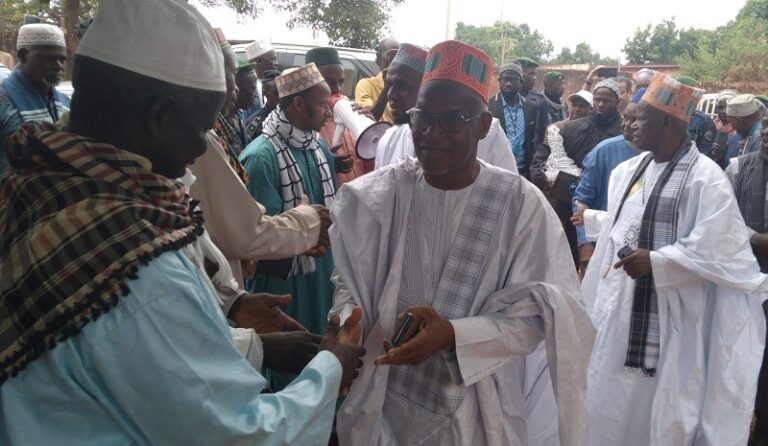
(474, 255)
(404, 78)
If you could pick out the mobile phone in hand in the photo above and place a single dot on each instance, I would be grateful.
(625, 252)
(722, 140)
(408, 327)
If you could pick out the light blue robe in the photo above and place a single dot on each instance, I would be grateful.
(161, 369)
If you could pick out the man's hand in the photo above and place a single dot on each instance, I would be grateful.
(578, 217)
(289, 352)
(435, 334)
(365, 111)
(343, 162)
(260, 312)
(636, 265)
(248, 268)
(759, 244)
(592, 77)
(717, 152)
(323, 242)
(585, 254)
(352, 330)
(349, 355)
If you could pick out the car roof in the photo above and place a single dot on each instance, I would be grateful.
(367, 55)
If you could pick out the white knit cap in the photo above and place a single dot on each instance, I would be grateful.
(257, 48)
(168, 40)
(741, 105)
(295, 80)
(583, 94)
(36, 34)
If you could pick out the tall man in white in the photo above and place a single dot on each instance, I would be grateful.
(476, 254)
(404, 77)
(680, 328)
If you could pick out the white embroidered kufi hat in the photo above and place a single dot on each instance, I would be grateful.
(741, 105)
(257, 48)
(296, 80)
(167, 40)
(37, 34)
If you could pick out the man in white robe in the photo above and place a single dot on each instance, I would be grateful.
(474, 252)
(680, 327)
(404, 77)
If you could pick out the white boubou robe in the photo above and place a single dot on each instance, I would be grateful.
(397, 144)
(712, 328)
(527, 292)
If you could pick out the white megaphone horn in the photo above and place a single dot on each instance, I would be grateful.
(365, 131)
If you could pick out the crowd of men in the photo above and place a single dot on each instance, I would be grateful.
(193, 252)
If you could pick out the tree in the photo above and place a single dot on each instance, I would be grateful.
(582, 54)
(64, 13)
(754, 8)
(504, 40)
(352, 23)
(735, 55)
(663, 43)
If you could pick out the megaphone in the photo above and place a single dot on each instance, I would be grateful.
(365, 131)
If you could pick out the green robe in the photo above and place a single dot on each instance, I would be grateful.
(312, 293)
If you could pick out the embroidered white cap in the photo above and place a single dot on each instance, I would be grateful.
(257, 48)
(296, 80)
(741, 105)
(36, 34)
(167, 40)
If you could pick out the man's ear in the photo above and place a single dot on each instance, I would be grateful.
(22, 54)
(485, 124)
(159, 116)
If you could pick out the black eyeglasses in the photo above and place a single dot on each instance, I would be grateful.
(449, 122)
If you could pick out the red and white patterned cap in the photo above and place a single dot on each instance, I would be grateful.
(461, 63)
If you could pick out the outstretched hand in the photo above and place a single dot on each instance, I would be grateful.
(348, 355)
(261, 312)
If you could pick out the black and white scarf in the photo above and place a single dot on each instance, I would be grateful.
(283, 135)
(658, 229)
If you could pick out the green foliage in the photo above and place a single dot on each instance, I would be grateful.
(582, 54)
(352, 23)
(504, 40)
(754, 8)
(735, 54)
(662, 44)
(730, 56)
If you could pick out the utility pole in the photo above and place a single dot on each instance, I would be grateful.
(449, 28)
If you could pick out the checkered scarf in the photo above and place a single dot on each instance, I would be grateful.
(658, 229)
(221, 133)
(78, 219)
(283, 135)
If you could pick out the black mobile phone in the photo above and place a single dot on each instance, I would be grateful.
(722, 139)
(625, 252)
(406, 330)
(606, 73)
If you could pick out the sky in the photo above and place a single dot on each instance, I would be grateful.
(604, 24)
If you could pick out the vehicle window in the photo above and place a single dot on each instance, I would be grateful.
(351, 76)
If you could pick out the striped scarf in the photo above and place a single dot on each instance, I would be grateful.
(78, 219)
(33, 107)
(658, 229)
(285, 136)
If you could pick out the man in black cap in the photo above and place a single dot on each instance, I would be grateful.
(516, 114)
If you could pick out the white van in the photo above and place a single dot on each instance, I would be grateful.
(357, 64)
(707, 104)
